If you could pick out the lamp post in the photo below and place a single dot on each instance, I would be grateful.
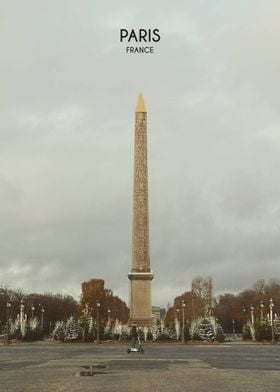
(261, 307)
(244, 310)
(32, 311)
(183, 321)
(86, 309)
(8, 321)
(21, 316)
(177, 323)
(252, 314)
(109, 316)
(42, 319)
(97, 321)
(271, 306)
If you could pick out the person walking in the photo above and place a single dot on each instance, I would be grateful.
(134, 337)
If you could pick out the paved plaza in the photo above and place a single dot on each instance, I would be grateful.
(46, 366)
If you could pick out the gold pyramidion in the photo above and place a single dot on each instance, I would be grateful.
(140, 107)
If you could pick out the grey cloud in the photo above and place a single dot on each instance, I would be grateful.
(66, 143)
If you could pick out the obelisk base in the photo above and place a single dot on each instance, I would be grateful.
(140, 299)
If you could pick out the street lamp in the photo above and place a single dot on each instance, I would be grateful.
(183, 321)
(86, 309)
(244, 310)
(261, 306)
(32, 311)
(8, 321)
(21, 316)
(271, 306)
(42, 318)
(177, 323)
(252, 314)
(109, 316)
(97, 321)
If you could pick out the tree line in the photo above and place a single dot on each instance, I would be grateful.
(53, 306)
(232, 311)
(49, 308)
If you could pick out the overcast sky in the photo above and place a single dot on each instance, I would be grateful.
(68, 93)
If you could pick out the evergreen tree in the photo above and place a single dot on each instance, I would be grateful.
(59, 331)
(246, 332)
(125, 333)
(156, 331)
(277, 327)
(262, 331)
(219, 337)
(108, 332)
(73, 330)
(202, 330)
(172, 333)
(165, 334)
(205, 330)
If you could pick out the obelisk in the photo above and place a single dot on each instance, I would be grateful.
(140, 275)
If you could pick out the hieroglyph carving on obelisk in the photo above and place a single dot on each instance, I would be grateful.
(140, 275)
